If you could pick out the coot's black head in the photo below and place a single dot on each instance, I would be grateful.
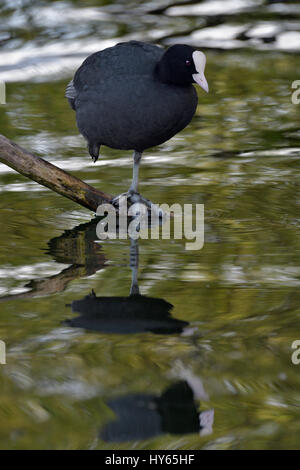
(182, 65)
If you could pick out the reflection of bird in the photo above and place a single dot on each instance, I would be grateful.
(141, 416)
(133, 314)
(135, 95)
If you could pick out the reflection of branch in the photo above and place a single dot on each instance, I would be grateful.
(50, 285)
(75, 247)
(50, 176)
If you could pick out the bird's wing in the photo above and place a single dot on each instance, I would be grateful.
(123, 60)
(71, 94)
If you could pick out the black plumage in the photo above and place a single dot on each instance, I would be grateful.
(134, 96)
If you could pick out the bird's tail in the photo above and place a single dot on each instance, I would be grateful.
(94, 150)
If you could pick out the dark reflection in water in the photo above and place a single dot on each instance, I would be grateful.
(141, 416)
(132, 314)
(138, 415)
(78, 248)
(75, 247)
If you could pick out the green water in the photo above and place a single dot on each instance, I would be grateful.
(239, 295)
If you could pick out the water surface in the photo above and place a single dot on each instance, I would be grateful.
(228, 313)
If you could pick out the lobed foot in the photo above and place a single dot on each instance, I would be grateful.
(134, 197)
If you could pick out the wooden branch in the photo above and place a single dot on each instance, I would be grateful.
(50, 175)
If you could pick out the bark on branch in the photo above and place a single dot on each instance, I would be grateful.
(51, 176)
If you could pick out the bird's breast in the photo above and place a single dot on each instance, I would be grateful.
(135, 112)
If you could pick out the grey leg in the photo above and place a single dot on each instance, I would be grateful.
(135, 176)
(132, 194)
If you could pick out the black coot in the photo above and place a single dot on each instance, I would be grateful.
(135, 95)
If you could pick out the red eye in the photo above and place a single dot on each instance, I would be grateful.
(187, 62)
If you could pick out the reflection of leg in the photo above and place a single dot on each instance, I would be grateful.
(194, 382)
(134, 264)
(206, 420)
